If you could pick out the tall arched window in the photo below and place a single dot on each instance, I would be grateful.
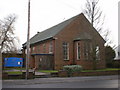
(51, 47)
(86, 50)
(97, 53)
(66, 51)
(44, 48)
(78, 51)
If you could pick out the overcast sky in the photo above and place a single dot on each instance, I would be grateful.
(47, 13)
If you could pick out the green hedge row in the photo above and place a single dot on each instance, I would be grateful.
(72, 68)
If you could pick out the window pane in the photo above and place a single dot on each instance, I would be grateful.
(44, 48)
(51, 47)
(65, 51)
(78, 51)
(86, 50)
(97, 53)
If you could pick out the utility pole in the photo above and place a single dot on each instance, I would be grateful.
(28, 43)
(1, 71)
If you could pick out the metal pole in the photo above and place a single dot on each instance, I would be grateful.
(1, 71)
(28, 43)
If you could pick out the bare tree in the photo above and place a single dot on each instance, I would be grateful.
(7, 35)
(94, 14)
(96, 18)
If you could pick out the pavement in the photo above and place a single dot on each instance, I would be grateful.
(41, 73)
(58, 80)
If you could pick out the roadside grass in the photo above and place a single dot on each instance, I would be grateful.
(14, 68)
(55, 71)
(47, 71)
(106, 69)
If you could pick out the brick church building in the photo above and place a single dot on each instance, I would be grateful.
(70, 42)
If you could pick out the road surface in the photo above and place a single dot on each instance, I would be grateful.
(71, 82)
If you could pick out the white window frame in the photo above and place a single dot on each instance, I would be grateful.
(51, 47)
(44, 48)
(97, 53)
(33, 49)
(29, 49)
(86, 50)
(25, 51)
(39, 48)
(66, 47)
(78, 55)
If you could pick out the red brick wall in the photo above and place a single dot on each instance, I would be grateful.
(34, 60)
(68, 34)
(39, 48)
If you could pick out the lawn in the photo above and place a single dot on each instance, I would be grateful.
(106, 69)
(47, 71)
(52, 71)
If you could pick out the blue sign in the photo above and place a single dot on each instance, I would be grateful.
(13, 62)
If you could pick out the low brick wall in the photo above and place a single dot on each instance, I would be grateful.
(54, 74)
(30, 76)
(15, 76)
(4, 75)
(98, 73)
(62, 74)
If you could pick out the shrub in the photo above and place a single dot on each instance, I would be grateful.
(116, 64)
(72, 68)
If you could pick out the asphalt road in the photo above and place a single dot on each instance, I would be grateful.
(73, 82)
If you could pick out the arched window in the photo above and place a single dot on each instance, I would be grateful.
(78, 51)
(33, 49)
(97, 53)
(86, 50)
(66, 51)
(51, 47)
(44, 48)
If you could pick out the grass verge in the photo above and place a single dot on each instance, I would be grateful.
(106, 69)
(47, 71)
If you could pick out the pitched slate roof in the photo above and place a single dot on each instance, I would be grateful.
(51, 32)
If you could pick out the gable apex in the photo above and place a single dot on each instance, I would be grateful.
(50, 32)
